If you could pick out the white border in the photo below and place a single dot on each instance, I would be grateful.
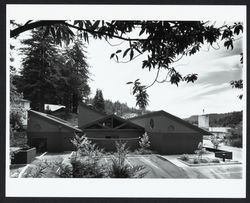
(208, 188)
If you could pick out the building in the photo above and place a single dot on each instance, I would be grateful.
(87, 114)
(109, 129)
(220, 132)
(203, 121)
(49, 133)
(169, 134)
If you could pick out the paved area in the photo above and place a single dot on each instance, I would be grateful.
(156, 166)
(237, 152)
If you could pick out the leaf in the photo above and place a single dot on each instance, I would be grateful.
(131, 54)
(118, 51)
(238, 28)
(112, 55)
(125, 52)
(95, 25)
(52, 30)
(128, 83)
(142, 31)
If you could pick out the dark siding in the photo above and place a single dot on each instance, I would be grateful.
(54, 140)
(100, 138)
(178, 143)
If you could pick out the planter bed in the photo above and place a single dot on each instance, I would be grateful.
(24, 156)
(209, 163)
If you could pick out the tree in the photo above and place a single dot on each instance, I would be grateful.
(98, 101)
(161, 43)
(40, 73)
(16, 112)
(75, 76)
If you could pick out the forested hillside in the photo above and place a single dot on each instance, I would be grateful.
(224, 119)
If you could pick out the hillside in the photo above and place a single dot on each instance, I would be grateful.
(224, 119)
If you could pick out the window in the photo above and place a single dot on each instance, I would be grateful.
(151, 123)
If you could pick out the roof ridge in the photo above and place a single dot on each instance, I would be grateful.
(55, 119)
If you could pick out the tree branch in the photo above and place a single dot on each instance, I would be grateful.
(15, 32)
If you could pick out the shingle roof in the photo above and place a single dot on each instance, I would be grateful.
(55, 119)
(175, 118)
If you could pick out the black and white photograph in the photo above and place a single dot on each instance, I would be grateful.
(148, 105)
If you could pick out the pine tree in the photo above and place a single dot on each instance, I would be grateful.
(98, 101)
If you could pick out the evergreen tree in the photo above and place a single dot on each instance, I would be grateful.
(40, 73)
(98, 101)
(76, 73)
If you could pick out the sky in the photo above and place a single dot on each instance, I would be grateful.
(211, 92)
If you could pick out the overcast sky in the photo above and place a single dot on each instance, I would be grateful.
(211, 92)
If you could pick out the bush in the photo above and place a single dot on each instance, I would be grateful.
(86, 169)
(196, 161)
(184, 157)
(144, 141)
(143, 151)
(119, 169)
(203, 161)
(215, 161)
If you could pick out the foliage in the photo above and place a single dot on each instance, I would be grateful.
(235, 136)
(215, 161)
(220, 120)
(196, 161)
(85, 147)
(74, 76)
(200, 151)
(215, 142)
(51, 74)
(184, 157)
(121, 170)
(144, 141)
(161, 42)
(238, 84)
(98, 101)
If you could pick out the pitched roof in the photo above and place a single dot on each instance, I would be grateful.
(124, 122)
(92, 108)
(175, 118)
(54, 119)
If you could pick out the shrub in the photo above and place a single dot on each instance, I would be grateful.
(215, 161)
(196, 161)
(143, 151)
(119, 169)
(86, 169)
(200, 150)
(144, 141)
(184, 157)
(204, 161)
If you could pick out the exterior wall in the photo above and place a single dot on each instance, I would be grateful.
(55, 141)
(99, 137)
(87, 115)
(162, 125)
(42, 131)
(178, 143)
(203, 121)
